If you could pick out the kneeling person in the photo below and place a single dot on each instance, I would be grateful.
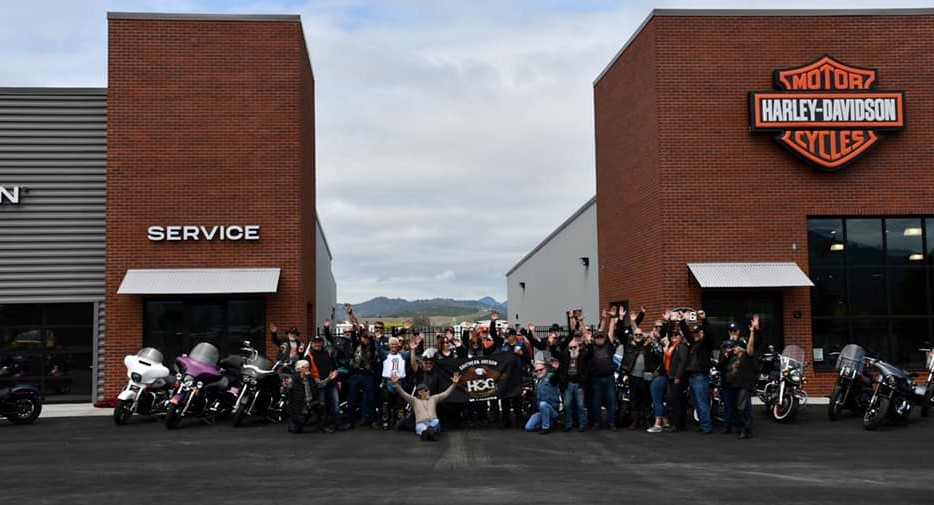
(424, 407)
(547, 396)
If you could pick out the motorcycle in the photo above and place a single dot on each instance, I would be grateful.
(147, 392)
(20, 403)
(261, 389)
(853, 389)
(200, 389)
(928, 398)
(781, 382)
(893, 396)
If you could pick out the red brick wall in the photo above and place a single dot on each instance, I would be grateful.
(681, 178)
(211, 121)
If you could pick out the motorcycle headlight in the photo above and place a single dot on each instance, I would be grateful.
(795, 376)
(188, 382)
(890, 380)
(135, 377)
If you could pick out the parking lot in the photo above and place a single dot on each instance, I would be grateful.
(90, 460)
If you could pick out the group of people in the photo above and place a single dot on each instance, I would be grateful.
(576, 369)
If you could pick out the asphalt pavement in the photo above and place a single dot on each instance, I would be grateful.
(87, 459)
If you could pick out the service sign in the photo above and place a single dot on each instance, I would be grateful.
(828, 113)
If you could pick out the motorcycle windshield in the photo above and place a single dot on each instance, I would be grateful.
(205, 353)
(198, 370)
(151, 355)
(851, 355)
(794, 355)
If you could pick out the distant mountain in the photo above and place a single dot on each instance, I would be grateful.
(398, 307)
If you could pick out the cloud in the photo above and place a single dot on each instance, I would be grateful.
(452, 137)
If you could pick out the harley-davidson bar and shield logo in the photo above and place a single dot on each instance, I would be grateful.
(827, 112)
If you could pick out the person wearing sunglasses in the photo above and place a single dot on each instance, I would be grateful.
(547, 397)
(573, 374)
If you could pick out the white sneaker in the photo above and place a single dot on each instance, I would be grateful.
(654, 429)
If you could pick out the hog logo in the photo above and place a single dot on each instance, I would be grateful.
(480, 381)
(827, 112)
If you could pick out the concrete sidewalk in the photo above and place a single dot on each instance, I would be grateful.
(73, 410)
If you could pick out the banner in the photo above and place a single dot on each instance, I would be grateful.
(482, 379)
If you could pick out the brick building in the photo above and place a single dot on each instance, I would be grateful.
(710, 193)
(177, 204)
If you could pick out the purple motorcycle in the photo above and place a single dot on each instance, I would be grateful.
(200, 388)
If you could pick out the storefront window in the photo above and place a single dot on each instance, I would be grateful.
(175, 326)
(49, 346)
(872, 285)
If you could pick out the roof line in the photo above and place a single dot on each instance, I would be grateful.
(205, 17)
(758, 13)
(563, 225)
(323, 236)
(52, 91)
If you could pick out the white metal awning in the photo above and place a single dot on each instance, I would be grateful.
(199, 281)
(749, 275)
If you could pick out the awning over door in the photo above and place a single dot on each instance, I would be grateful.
(749, 275)
(199, 281)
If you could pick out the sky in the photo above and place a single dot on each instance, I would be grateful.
(452, 137)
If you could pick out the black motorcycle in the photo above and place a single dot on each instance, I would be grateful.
(20, 403)
(893, 397)
(260, 389)
(781, 382)
(928, 400)
(853, 390)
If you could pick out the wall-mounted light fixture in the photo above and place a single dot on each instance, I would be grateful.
(522, 285)
(585, 261)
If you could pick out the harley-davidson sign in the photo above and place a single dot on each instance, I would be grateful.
(827, 112)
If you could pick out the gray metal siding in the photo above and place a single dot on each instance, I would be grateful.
(53, 145)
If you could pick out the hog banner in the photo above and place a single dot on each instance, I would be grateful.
(483, 379)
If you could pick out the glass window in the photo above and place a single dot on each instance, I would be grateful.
(867, 291)
(830, 335)
(908, 292)
(825, 242)
(69, 314)
(873, 335)
(19, 314)
(864, 242)
(828, 298)
(246, 321)
(909, 335)
(903, 240)
(164, 328)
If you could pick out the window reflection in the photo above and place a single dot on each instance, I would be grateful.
(864, 242)
(904, 241)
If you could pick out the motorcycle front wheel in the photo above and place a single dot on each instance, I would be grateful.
(25, 410)
(172, 417)
(239, 413)
(875, 414)
(835, 407)
(784, 409)
(122, 412)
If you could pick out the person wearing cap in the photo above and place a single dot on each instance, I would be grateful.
(424, 407)
(741, 378)
(365, 368)
(395, 363)
(291, 346)
(547, 398)
(602, 381)
(727, 394)
(324, 371)
(698, 370)
(511, 408)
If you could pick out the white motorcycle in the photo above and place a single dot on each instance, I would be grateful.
(149, 388)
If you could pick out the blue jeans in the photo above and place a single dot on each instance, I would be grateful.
(731, 414)
(543, 418)
(604, 393)
(574, 398)
(433, 424)
(367, 384)
(331, 398)
(700, 393)
(658, 388)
